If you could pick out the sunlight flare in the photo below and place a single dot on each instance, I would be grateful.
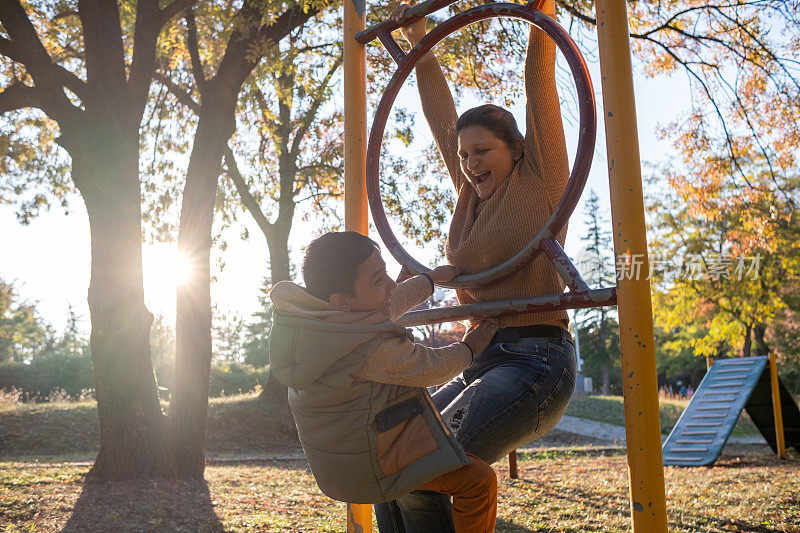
(165, 269)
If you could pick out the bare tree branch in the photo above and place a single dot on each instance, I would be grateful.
(67, 78)
(766, 50)
(183, 94)
(65, 14)
(31, 52)
(248, 199)
(728, 137)
(311, 113)
(171, 10)
(149, 23)
(20, 96)
(239, 59)
(194, 53)
(668, 25)
(145, 36)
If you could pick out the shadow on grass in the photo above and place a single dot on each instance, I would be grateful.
(586, 498)
(145, 505)
(293, 464)
(505, 525)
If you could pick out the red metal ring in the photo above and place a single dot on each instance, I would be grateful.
(580, 169)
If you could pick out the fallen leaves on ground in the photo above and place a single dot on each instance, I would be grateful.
(556, 491)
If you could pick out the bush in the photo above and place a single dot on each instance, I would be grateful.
(233, 378)
(62, 374)
(11, 396)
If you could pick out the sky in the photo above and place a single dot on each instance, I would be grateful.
(48, 261)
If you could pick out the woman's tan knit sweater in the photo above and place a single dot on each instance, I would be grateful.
(484, 233)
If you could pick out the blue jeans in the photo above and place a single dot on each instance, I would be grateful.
(513, 393)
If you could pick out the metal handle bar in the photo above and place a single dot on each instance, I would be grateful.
(412, 14)
(548, 302)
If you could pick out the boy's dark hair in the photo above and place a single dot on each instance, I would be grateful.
(331, 262)
(494, 118)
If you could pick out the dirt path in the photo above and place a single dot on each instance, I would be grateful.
(609, 434)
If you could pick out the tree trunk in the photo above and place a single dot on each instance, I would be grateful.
(747, 341)
(189, 404)
(216, 124)
(278, 243)
(133, 440)
(279, 257)
(604, 351)
(762, 348)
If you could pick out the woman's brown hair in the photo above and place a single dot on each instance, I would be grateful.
(494, 118)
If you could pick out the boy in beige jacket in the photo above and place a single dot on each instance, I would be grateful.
(357, 382)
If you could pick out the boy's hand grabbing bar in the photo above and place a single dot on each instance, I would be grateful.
(441, 274)
(444, 273)
(479, 337)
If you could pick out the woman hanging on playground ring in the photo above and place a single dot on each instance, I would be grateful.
(508, 185)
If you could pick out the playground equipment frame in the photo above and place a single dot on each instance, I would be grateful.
(643, 434)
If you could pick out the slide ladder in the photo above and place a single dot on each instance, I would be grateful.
(729, 386)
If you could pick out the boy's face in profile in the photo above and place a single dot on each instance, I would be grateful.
(372, 288)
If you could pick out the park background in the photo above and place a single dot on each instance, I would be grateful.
(717, 102)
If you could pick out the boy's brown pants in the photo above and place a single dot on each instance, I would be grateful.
(474, 491)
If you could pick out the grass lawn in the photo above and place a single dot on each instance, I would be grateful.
(42, 481)
(237, 425)
(609, 409)
(555, 492)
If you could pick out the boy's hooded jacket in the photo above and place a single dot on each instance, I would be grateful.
(366, 441)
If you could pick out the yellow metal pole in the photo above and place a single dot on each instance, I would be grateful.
(776, 407)
(640, 387)
(355, 119)
(359, 517)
